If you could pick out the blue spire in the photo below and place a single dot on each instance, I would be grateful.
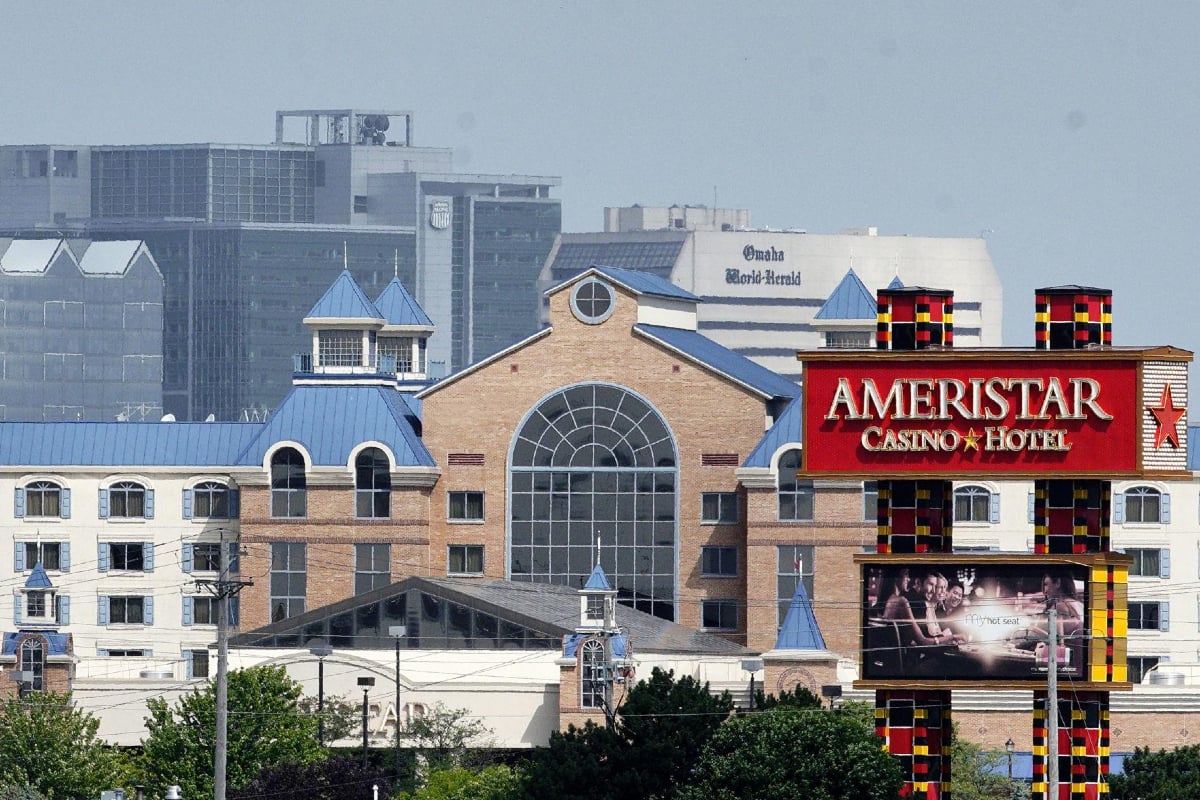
(598, 581)
(399, 307)
(850, 300)
(38, 579)
(800, 630)
(896, 283)
(344, 300)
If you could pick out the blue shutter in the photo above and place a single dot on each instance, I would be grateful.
(149, 504)
(147, 556)
(18, 556)
(64, 503)
(234, 609)
(1165, 509)
(187, 503)
(1118, 508)
(148, 610)
(19, 503)
(64, 556)
(188, 560)
(101, 610)
(187, 663)
(994, 507)
(1164, 616)
(235, 503)
(1164, 563)
(1029, 508)
(102, 557)
(18, 607)
(64, 610)
(188, 609)
(234, 566)
(103, 504)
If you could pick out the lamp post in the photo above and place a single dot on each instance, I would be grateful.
(366, 683)
(1009, 747)
(752, 665)
(321, 651)
(397, 632)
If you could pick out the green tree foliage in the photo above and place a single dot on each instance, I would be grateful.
(495, 782)
(446, 736)
(1158, 775)
(584, 764)
(794, 755)
(336, 778)
(800, 698)
(50, 748)
(266, 728)
(980, 774)
(343, 718)
(10, 792)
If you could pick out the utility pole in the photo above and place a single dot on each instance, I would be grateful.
(1052, 702)
(223, 589)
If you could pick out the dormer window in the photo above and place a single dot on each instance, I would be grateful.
(592, 301)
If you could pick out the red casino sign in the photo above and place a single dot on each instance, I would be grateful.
(976, 412)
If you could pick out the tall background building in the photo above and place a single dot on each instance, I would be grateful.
(249, 236)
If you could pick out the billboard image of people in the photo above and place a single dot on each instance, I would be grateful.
(972, 621)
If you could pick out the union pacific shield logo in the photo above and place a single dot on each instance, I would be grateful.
(439, 214)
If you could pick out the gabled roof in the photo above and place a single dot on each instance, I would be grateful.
(635, 281)
(109, 258)
(546, 609)
(850, 300)
(330, 421)
(800, 630)
(787, 429)
(896, 283)
(699, 348)
(344, 300)
(655, 253)
(597, 581)
(29, 255)
(399, 308)
(150, 444)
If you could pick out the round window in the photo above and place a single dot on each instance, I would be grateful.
(592, 301)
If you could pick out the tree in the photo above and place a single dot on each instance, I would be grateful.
(583, 764)
(335, 778)
(494, 782)
(980, 774)
(49, 746)
(445, 735)
(800, 698)
(794, 755)
(266, 728)
(1158, 775)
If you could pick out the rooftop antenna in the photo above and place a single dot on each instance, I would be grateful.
(345, 256)
(396, 267)
(597, 548)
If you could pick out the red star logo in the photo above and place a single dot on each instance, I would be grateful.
(1167, 416)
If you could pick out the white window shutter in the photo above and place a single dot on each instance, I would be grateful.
(149, 504)
(64, 556)
(18, 502)
(101, 610)
(148, 610)
(18, 556)
(188, 558)
(103, 503)
(187, 503)
(188, 610)
(64, 610)
(147, 556)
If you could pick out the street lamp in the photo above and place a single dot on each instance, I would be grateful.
(366, 683)
(752, 665)
(1009, 747)
(321, 651)
(397, 632)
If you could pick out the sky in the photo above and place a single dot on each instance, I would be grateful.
(1062, 132)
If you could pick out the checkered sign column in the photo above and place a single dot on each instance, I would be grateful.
(916, 516)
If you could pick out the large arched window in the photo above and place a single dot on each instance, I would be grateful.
(596, 462)
(372, 485)
(592, 682)
(1143, 504)
(33, 662)
(976, 504)
(795, 495)
(289, 487)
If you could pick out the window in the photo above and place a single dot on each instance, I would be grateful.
(870, 501)
(203, 610)
(372, 485)
(33, 662)
(126, 611)
(1139, 666)
(289, 486)
(718, 562)
(976, 504)
(849, 339)
(289, 580)
(340, 348)
(795, 496)
(719, 615)
(1148, 616)
(595, 607)
(1143, 505)
(197, 663)
(206, 557)
(210, 499)
(35, 604)
(593, 683)
(128, 556)
(42, 499)
(592, 301)
(719, 507)
(465, 559)
(372, 567)
(794, 566)
(360, 204)
(125, 652)
(126, 500)
(1150, 563)
(400, 348)
(466, 506)
(51, 555)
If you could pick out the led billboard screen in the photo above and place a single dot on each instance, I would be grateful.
(972, 621)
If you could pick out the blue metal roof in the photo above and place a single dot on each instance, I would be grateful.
(571, 642)
(398, 306)
(57, 642)
(721, 359)
(38, 579)
(597, 581)
(787, 430)
(344, 300)
(644, 283)
(896, 283)
(330, 421)
(151, 444)
(850, 300)
(800, 630)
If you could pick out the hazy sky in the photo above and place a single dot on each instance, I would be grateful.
(1064, 131)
